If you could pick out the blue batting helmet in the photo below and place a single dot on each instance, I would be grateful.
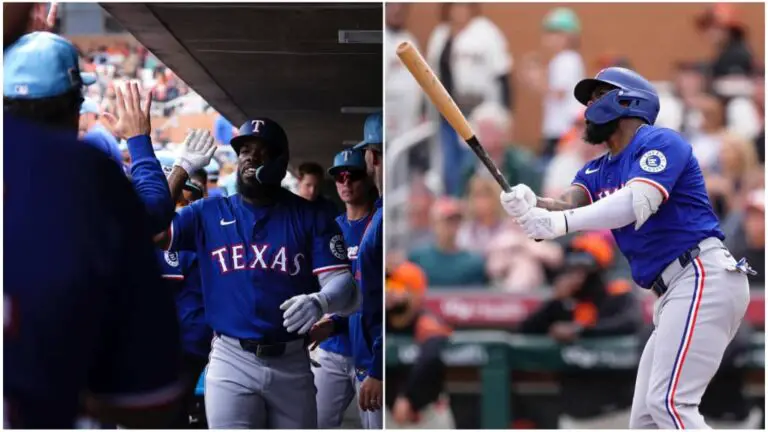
(273, 135)
(632, 96)
(349, 160)
(372, 132)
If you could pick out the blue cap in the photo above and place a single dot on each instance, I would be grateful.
(348, 160)
(89, 106)
(372, 134)
(42, 65)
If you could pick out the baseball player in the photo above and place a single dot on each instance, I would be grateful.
(82, 295)
(181, 271)
(649, 190)
(369, 358)
(335, 378)
(265, 251)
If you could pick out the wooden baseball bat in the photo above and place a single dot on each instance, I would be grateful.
(439, 96)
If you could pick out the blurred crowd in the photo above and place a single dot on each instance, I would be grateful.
(456, 229)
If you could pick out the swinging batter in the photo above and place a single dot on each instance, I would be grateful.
(649, 190)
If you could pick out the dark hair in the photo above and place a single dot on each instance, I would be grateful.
(201, 175)
(310, 168)
(445, 10)
(58, 111)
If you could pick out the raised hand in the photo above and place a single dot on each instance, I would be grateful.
(132, 119)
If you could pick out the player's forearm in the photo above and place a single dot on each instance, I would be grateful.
(614, 211)
(574, 197)
(377, 368)
(176, 182)
(149, 183)
(339, 292)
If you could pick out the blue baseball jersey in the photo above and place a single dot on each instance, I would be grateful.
(663, 159)
(353, 231)
(370, 276)
(182, 274)
(254, 258)
(84, 304)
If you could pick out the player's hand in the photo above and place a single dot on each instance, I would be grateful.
(541, 224)
(42, 17)
(197, 151)
(132, 118)
(564, 331)
(518, 200)
(370, 396)
(301, 313)
(321, 331)
(402, 411)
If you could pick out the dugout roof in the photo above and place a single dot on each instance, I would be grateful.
(283, 61)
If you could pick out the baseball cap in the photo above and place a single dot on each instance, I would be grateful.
(372, 133)
(89, 106)
(265, 129)
(42, 65)
(562, 20)
(347, 160)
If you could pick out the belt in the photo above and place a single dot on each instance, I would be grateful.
(262, 349)
(660, 285)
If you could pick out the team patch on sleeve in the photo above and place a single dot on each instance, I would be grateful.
(338, 249)
(172, 258)
(653, 161)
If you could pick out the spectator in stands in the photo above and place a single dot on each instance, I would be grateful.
(470, 55)
(737, 158)
(92, 131)
(679, 109)
(415, 394)
(584, 303)
(746, 115)
(561, 29)
(485, 219)
(571, 155)
(708, 141)
(745, 234)
(402, 90)
(494, 127)
(420, 201)
(444, 262)
(726, 33)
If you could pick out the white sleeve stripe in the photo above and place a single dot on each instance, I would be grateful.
(148, 399)
(657, 185)
(170, 236)
(329, 268)
(586, 189)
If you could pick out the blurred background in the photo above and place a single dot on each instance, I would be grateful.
(513, 357)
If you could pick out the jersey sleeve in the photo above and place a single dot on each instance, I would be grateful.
(582, 180)
(660, 161)
(149, 183)
(329, 251)
(140, 315)
(185, 226)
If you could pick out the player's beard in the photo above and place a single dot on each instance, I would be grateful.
(597, 134)
(250, 188)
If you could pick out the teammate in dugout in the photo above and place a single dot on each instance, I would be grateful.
(649, 190)
(335, 377)
(113, 302)
(265, 250)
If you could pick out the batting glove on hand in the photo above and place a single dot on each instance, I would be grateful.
(541, 224)
(197, 151)
(518, 200)
(302, 312)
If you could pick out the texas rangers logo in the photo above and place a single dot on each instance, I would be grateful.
(172, 258)
(653, 161)
(256, 124)
(337, 247)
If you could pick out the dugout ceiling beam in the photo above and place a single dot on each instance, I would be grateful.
(284, 61)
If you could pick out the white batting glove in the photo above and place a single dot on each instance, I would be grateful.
(197, 151)
(541, 224)
(518, 200)
(302, 312)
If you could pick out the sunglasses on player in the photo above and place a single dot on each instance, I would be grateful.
(351, 176)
